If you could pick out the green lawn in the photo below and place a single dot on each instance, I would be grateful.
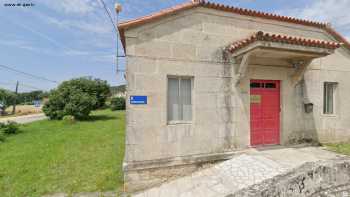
(342, 148)
(52, 157)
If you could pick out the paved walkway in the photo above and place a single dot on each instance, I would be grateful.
(239, 172)
(25, 119)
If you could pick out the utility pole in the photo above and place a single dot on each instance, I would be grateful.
(15, 100)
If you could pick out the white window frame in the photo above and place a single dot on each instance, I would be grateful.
(335, 87)
(174, 122)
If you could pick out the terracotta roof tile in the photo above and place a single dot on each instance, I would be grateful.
(157, 15)
(261, 36)
(207, 4)
(247, 12)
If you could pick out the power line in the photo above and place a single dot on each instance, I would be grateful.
(27, 74)
(109, 15)
(22, 85)
(29, 86)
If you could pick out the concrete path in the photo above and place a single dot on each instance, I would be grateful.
(241, 171)
(25, 119)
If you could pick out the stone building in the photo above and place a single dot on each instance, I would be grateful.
(205, 80)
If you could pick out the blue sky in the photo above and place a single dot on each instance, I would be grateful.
(62, 39)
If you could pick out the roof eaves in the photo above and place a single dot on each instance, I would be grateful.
(265, 15)
(337, 36)
(247, 12)
(261, 36)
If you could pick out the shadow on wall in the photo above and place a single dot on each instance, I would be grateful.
(305, 126)
(229, 133)
(242, 104)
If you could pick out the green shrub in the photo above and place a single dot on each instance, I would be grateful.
(2, 125)
(94, 87)
(118, 103)
(9, 128)
(6, 98)
(68, 119)
(76, 97)
(80, 105)
(2, 136)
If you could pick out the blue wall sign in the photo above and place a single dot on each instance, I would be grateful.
(138, 100)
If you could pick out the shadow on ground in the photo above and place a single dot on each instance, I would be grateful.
(94, 118)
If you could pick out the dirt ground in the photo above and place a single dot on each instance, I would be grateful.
(24, 110)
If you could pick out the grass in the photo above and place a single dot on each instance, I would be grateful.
(53, 157)
(342, 148)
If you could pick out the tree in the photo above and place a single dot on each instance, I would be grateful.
(29, 97)
(6, 98)
(76, 97)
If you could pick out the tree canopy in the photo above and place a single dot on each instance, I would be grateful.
(6, 98)
(76, 97)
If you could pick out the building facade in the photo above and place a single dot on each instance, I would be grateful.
(216, 79)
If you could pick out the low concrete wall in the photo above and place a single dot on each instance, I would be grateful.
(142, 179)
(148, 174)
(328, 178)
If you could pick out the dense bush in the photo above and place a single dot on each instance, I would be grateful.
(9, 128)
(6, 98)
(2, 136)
(2, 125)
(76, 97)
(94, 87)
(80, 105)
(118, 103)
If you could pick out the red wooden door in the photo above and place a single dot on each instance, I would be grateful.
(264, 112)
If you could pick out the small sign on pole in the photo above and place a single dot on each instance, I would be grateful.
(37, 103)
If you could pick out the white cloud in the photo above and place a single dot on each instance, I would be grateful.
(93, 30)
(16, 43)
(347, 38)
(80, 7)
(22, 44)
(106, 59)
(83, 15)
(39, 34)
(85, 23)
(30, 46)
(96, 26)
(334, 11)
